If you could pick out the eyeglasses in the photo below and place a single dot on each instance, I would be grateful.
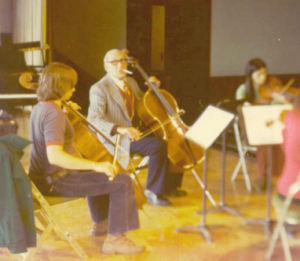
(115, 62)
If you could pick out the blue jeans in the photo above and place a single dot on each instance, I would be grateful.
(113, 199)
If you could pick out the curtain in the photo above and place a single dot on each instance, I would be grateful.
(28, 27)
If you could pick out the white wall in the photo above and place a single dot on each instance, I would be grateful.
(268, 29)
(6, 16)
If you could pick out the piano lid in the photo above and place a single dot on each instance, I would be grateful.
(12, 57)
(40, 48)
(17, 46)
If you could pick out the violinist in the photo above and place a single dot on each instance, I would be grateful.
(57, 172)
(257, 77)
(112, 109)
(291, 149)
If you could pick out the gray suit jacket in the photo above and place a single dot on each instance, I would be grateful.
(107, 108)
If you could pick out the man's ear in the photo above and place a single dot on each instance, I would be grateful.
(105, 64)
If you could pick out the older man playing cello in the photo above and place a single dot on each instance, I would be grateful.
(112, 109)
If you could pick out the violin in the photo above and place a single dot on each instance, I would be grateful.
(274, 90)
(159, 111)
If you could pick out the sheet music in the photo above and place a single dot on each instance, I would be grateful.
(209, 126)
(263, 123)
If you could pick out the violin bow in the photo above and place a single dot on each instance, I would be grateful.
(115, 153)
(149, 131)
(91, 126)
(288, 85)
(95, 129)
(283, 90)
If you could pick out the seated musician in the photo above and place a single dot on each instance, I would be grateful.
(112, 109)
(256, 77)
(56, 172)
(291, 150)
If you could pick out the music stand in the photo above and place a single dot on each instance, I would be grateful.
(222, 206)
(231, 106)
(204, 132)
(263, 126)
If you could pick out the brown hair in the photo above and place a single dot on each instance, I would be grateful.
(251, 67)
(56, 79)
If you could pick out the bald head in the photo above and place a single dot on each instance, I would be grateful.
(115, 61)
(110, 52)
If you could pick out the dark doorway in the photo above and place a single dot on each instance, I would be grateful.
(187, 49)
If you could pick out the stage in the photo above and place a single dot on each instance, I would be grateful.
(232, 240)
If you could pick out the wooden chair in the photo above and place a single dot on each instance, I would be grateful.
(47, 217)
(137, 163)
(287, 213)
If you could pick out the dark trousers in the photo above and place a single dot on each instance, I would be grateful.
(295, 201)
(159, 180)
(113, 199)
(262, 160)
(174, 181)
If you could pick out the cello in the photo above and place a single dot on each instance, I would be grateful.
(156, 108)
(87, 145)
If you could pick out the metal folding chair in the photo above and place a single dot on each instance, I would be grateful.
(49, 220)
(137, 163)
(242, 150)
(287, 213)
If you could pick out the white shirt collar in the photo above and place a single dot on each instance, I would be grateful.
(118, 82)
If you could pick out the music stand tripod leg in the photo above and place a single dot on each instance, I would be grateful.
(213, 202)
(211, 199)
(269, 192)
(201, 228)
(222, 206)
(267, 221)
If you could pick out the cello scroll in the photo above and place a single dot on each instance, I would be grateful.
(29, 80)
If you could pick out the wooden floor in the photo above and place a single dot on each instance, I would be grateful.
(232, 240)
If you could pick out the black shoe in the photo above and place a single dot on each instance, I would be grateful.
(177, 193)
(156, 200)
(100, 228)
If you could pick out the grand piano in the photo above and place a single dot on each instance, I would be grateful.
(13, 68)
